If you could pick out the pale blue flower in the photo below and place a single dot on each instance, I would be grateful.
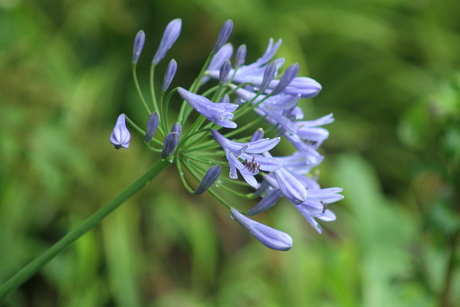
(219, 113)
(270, 237)
(223, 35)
(120, 136)
(169, 75)
(170, 36)
(139, 41)
(249, 153)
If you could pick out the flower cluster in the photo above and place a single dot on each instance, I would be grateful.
(242, 89)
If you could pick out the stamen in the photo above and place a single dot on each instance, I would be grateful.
(324, 206)
(252, 166)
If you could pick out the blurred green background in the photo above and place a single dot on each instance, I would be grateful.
(390, 74)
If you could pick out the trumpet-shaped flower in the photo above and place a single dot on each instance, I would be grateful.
(219, 113)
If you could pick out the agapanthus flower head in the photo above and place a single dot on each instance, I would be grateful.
(120, 136)
(202, 145)
(170, 36)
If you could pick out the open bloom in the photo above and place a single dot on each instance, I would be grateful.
(219, 113)
(120, 136)
(249, 153)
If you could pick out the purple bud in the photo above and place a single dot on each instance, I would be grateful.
(266, 203)
(120, 136)
(258, 135)
(240, 56)
(270, 237)
(225, 99)
(169, 75)
(138, 45)
(208, 180)
(170, 36)
(170, 144)
(224, 71)
(269, 74)
(152, 125)
(289, 75)
(223, 35)
(177, 128)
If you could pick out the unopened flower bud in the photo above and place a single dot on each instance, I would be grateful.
(266, 203)
(269, 74)
(170, 144)
(177, 128)
(289, 75)
(208, 180)
(169, 75)
(120, 136)
(240, 56)
(138, 45)
(223, 35)
(270, 237)
(258, 135)
(170, 36)
(152, 125)
(224, 71)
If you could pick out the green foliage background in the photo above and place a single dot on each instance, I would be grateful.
(390, 74)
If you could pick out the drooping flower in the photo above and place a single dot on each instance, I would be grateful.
(219, 113)
(120, 136)
(270, 237)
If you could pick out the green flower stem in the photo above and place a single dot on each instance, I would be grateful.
(35, 265)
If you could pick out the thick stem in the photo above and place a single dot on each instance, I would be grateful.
(35, 265)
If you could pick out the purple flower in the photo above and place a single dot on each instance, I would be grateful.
(152, 125)
(169, 75)
(170, 144)
(209, 179)
(139, 41)
(224, 71)
(240, 56)
(266, 203)
(223, 35)
(289, 75)
(270, 237)
(248, 152)
(316, 206)
(170, 36)
(120, 136)
(219, 113)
